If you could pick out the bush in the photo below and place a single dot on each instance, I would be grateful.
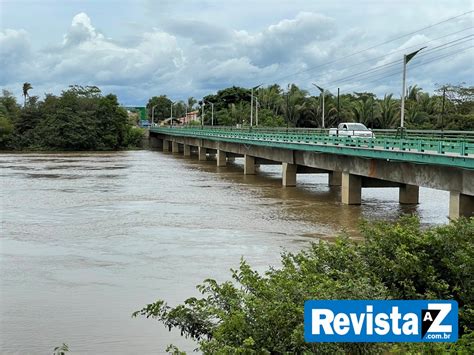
(264, 313)
(135, 136)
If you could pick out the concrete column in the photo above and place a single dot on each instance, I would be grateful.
(202, 153)
(351, 189)
(460, 205)
(166, 145)
(174, 147)
(335, 178)
(289, 174)
(409, 194)
(154, 142)
(187, 150)
(249, 165)
(221, 158)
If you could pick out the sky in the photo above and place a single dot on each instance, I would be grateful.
(137, 49)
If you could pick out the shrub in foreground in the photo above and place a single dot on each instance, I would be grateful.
(263, 313)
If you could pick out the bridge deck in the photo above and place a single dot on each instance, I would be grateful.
(449, 152)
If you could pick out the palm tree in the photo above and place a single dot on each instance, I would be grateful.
(191, 102)
(26, 87)
(388, 112)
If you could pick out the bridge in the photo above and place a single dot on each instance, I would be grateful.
(440, 160)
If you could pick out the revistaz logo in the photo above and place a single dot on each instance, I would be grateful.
(381, 321)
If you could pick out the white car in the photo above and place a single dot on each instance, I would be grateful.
(351, 129)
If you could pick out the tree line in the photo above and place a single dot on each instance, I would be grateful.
(451, 107)
(81, 118)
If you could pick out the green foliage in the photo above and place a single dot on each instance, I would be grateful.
(295, 108)
(162, 108)
(61, 350)
(6, 130)
(26, 87)
(134, 137)
(80, 119)
(263, 313)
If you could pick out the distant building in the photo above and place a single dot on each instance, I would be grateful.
(190, 117)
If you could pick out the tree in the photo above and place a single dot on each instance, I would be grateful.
(363, 108)
(162, 107)
(80, 119)
(26, 87)
(389, 112)
(190, 104)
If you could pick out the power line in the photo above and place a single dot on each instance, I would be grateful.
(404, 49)
(372, 47)
(398, 72)
(397, 62)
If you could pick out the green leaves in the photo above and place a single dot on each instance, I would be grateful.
(80, 119)
(261, 314)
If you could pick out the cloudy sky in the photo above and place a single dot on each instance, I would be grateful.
(140, 48)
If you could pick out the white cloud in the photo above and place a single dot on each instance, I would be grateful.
(192, 55)
(15, 52)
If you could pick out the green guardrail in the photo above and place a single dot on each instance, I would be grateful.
(453, 152)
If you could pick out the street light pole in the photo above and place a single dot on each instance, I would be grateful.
(251, 103)
(406, 59)
(202, 115)
(172, 113)
(212, 111)
(153, 115)
(256, 111)
(442, 110)
(288, 108)
(322, 92)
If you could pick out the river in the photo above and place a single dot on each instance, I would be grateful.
(88, 238)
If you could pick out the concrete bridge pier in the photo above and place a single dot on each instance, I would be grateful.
(202, 152)
(221, 158)
(174, 147)
(155, 142)
(335, 178)
(166, 145)
(289, 174)
(249, 165)
(186, 150)
(460, 205)
(351, 189)
(409, 194)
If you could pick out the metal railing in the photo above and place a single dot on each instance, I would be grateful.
(455, 150)
(467, 136)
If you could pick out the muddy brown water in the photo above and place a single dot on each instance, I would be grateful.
(86, 239)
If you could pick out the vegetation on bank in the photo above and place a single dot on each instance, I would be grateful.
(297, 108)
(81, 118)
(263, 313)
